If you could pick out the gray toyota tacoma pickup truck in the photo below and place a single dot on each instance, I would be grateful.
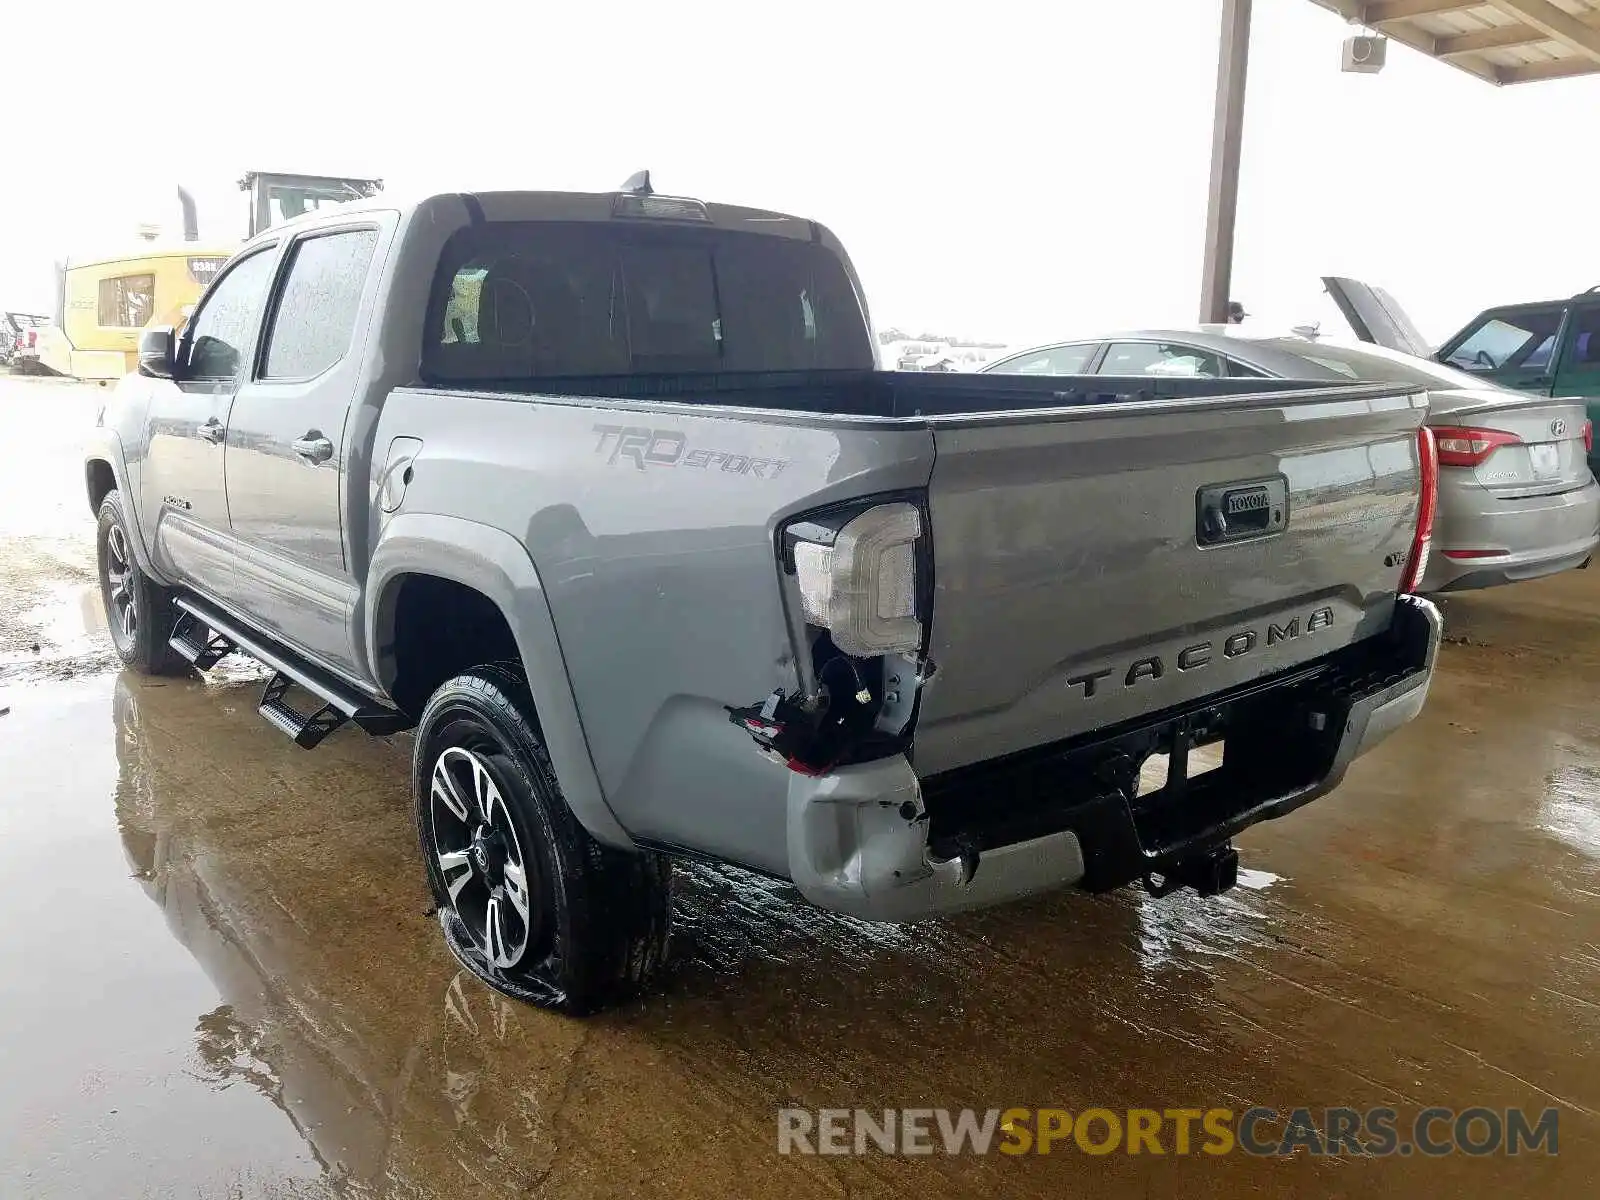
(603, 495)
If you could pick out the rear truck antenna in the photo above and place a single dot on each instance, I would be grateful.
(639, 184)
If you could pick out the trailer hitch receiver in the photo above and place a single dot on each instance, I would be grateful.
(1209, 874)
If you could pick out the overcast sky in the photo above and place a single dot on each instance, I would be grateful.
(1014, 170)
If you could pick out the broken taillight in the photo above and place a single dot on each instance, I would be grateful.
(859, 580)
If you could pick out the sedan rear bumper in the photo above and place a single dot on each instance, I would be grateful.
(1481, 540)
(876, 841)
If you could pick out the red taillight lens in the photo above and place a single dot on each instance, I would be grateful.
(1463, 446)
(1428, 458)
(1588, 437)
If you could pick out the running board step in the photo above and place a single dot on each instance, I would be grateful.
(197, 642)
(304, 729)
(340, 702)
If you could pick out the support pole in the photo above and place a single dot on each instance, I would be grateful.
(1233, 61)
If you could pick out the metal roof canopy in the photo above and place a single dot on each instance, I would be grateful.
(1498, 41)
(1501, 41)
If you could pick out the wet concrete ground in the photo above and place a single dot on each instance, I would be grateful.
(218, 976)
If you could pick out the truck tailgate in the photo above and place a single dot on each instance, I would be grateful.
(1099, 563)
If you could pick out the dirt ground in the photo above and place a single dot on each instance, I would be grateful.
(48, 628)
(219, 977)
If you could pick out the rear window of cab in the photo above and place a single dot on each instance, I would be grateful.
(517, 301)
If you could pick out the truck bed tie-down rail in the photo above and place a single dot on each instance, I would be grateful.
(204, 635)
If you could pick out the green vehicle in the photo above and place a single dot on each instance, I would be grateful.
(1551, 347)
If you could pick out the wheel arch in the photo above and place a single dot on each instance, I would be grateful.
(495, 566)
(105, 469)
(101, 480)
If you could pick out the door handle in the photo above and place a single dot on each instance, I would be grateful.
(314, 447)
(213, 431)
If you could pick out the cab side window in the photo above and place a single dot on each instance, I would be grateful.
(219, 338)
(126, 301)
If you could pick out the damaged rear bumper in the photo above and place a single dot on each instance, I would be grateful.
(876, 841)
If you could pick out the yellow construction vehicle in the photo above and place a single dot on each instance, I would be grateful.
(105, 300)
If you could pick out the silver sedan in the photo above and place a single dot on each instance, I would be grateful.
(1516, 497)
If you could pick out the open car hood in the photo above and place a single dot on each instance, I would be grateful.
(1375, 316)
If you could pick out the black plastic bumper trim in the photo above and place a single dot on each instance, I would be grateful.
(1285, 744)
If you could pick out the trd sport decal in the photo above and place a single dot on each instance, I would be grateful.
(646, 448)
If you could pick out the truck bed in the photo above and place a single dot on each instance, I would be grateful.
(898, 394)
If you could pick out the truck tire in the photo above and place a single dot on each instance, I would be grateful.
(528, 901)
(139, 611)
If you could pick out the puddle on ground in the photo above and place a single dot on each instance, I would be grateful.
(72, 621)
(62, 637)
(221, 979)
(1257, 881)
(1571, 809)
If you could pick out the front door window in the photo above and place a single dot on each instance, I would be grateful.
(222, 333)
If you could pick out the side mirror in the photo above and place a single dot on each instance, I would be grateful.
(158, 352)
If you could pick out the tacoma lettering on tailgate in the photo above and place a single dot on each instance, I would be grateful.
(1192, 658)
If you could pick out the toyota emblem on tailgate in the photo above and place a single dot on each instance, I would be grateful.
(1242, 509)
(1558, 427)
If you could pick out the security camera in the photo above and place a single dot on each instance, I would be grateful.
(1364, 55)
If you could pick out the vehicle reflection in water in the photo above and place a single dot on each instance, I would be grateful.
(291, 879)
(245, 1039)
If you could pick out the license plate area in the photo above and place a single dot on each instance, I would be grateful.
(1282, 734)
(1545, 458)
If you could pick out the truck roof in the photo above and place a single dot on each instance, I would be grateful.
(565, 206)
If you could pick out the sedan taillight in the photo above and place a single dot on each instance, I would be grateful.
(1464, 446)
